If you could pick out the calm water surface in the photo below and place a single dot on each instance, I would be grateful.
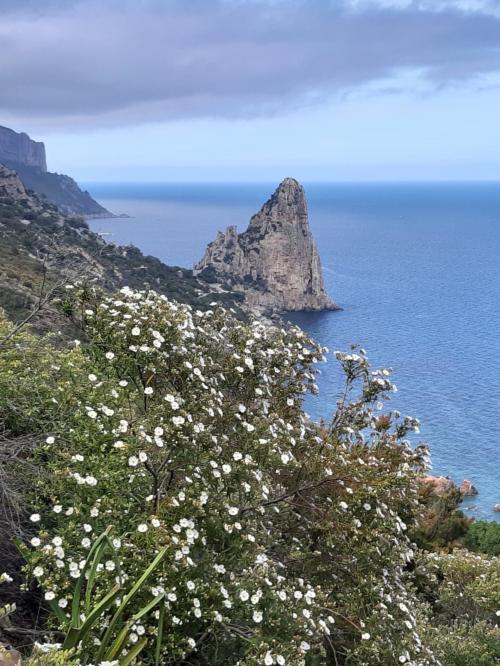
(415, 267)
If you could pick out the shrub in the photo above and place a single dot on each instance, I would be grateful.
(484, 537)
(183, 430)
(465, 601)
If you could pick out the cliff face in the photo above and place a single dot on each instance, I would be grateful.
(275, 262)
(27, 158)
(18, 147)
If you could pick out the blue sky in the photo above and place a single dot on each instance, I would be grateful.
(256, 89)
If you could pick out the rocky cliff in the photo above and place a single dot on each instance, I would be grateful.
(18, 147)
(275, 262)
(27, 158)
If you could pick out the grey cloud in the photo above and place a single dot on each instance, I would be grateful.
(104, 62)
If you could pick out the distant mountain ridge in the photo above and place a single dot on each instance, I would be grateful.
(28, 159)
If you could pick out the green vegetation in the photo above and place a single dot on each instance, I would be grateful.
(175, 505)
(484, 537)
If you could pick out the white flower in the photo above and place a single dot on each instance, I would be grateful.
(237, 455)
(142, 527)
(38, 572)
(367, 506)
(62, 603)
(109, 355)
(35, 517)
(257, 616)
(366, 636)
(35, 541)
(226, 468)
(136, 331)
(244, 596)
(50, 440)
(143, 456)
(155, 522)
(92, 378)
(233, 511)
(133, 461)
(268, 659)
(148, 390)
(57, 541)
(49, 596)
(304, 646)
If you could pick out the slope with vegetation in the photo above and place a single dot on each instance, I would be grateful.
(41, 250)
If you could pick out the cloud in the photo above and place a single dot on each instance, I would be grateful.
(109, 63)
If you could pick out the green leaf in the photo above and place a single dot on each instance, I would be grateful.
(134, 652)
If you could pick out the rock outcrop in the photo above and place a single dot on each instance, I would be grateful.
(18, 147)
(275, 262)
(438, 485)
(467, 489)
(27, 158)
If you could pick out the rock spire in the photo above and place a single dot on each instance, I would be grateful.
(275, 262)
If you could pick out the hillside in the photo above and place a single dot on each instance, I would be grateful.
(28, 159)
(41, 246)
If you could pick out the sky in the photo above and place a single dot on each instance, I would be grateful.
(256, 90)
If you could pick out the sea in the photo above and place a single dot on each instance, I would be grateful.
(416, 269)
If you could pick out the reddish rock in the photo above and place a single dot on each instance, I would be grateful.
(439, 485)
(467, 489)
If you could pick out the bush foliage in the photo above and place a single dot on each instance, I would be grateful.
(282, 541)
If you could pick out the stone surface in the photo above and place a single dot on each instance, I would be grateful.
(18, 147)
(439, 485)
(275, 262)
(467, 489)
(11, 185)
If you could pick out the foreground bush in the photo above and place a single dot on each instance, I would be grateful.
(284, 541)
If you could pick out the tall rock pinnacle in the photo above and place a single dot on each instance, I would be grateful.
(275, 262)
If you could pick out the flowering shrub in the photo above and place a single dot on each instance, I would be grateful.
(285, 540)
(465, 592)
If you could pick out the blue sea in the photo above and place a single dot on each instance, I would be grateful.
(416, 268)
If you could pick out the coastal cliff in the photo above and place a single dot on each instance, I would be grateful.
(28, 159)
(275, 262)
(18, 147)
